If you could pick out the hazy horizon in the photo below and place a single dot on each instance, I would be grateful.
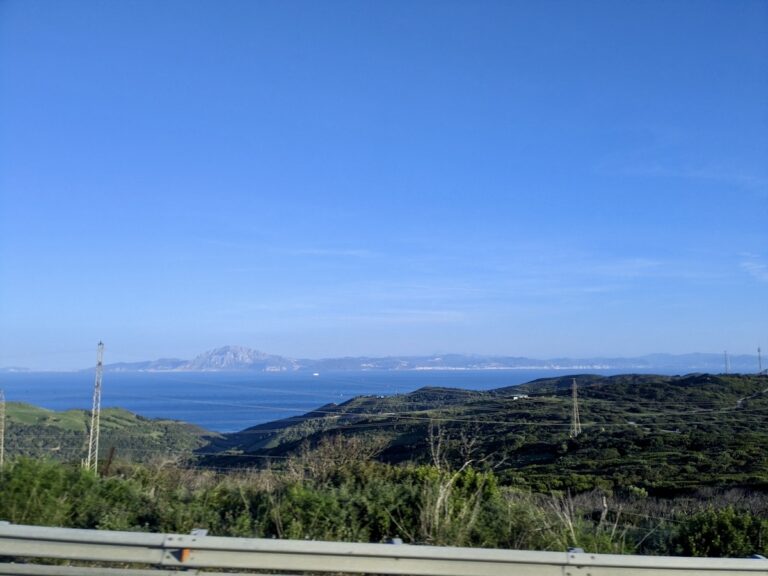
(540, 179)
(719, 355)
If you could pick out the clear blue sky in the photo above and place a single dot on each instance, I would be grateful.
(335, 178)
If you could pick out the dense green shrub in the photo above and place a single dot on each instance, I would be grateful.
(374, 502)
(723, 533)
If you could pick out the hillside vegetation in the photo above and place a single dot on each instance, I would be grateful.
(38, 432)
(663, 466)
(319, 495)
(652, 433)
(656, 434)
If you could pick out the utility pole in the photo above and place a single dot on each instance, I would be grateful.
(93, 437)
(2, 427)
(759, 361)
(727, 362)
(575, 422)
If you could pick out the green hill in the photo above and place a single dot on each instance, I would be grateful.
(643, 432)
(38, 432)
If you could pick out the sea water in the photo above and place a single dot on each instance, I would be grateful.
(232, 401)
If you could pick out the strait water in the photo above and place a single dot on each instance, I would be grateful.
(232, 401)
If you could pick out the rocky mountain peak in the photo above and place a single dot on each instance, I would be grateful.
(239, 358)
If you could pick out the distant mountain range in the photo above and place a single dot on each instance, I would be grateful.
(229, 358)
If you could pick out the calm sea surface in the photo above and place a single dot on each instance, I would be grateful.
(231, 401)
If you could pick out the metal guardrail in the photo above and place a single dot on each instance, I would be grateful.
(165, 554)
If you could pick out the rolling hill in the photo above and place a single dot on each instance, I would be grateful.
(642, 431)
(38, 432)
(647, 433)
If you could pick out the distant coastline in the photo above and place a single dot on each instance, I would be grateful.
(242, 359)
(238, 358)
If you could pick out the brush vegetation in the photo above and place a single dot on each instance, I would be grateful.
(314, 496)
(41, 433)
(664, 465)
(660, 434)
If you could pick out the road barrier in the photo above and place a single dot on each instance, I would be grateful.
(165, 554)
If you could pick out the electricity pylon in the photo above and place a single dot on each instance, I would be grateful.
(575, 422)
(93, 437)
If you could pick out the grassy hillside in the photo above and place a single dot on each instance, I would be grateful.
(640, 432)
(38, 432)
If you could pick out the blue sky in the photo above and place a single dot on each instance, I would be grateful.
(345, 178)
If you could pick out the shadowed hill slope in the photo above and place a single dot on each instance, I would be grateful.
(643, 431)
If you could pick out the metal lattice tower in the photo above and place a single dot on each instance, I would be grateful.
(2, 427)
(93, 436)
(575, 422)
